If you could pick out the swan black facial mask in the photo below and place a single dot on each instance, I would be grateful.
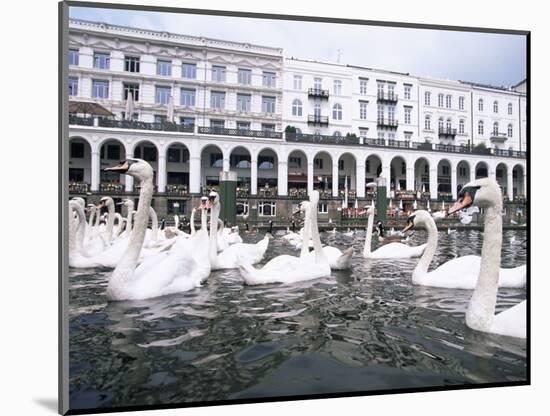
(466, 198)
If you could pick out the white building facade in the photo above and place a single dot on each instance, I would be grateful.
(201, 106)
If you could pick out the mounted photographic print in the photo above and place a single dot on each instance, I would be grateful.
(264, 207)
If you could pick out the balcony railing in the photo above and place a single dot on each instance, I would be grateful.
(447, 133)
(141, 125)
(79, 187)
(389, 97)
(323, 139)
(317, 93)
(387, 122)
(220, 131)
(499, 137)
(81, 121)
(176, 190)
(317, 120)
(111, 188)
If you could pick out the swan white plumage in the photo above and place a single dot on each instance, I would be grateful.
(458, 273)
(480, 314)
(170, 271)
(392, 250)
(235, 254)
(290, 269)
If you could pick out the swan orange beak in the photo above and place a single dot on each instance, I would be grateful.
(121, 167)
(463, 202)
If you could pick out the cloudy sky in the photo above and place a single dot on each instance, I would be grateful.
(479, 57)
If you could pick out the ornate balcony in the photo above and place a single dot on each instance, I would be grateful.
(317, 120)
(317, 93)
(387, 97)
(447, 133)
(266, 134)
(387, 122)
(176, 190)
(79, 187)
(322, 139)
(141, 125)
(498, 137)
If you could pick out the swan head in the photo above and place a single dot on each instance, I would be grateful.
(370, 210)
(213, 200)
(482, 192)
(204, 203)
(79, 201)
(416, 218)
(138, 168)
(106, 201)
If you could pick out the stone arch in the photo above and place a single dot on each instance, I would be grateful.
(177, 156)
(111, 151)
(501, 175)
(444, 179)
(240, 161)
(322, 171)
(80, 164)
(297, 161)
(268, 162)
(422, 174)
(481, 170)
(518, 180)
(347, 167)
(398, 173)
(463, 173)
(212, 162)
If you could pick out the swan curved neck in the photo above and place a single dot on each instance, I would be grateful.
(214, 214)
(481, 309)
(319, 253)
(368, 236)
(127, 264)
(204, 219)
(306, 236)
(421, 268)
(154, 223)
(110, 221)
(130, 213)
(192, 220)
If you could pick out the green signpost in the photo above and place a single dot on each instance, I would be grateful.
(228, 197)
(381, 199)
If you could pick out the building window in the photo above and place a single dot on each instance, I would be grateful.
(217, 99)
(266, 162)
(461, 103)
(188, 71)
(427, 123)
(407, 115)
(187, 121)
(131, 64)
(391, 135)
(391, 112)
(160, 118)
(318, 83)
(268, 127)
(317, 110)
(510, 107)
(380, 112)
(113, 152)
(244, 76)
(318, 163)
(480, 128)
(337, 112)
(407, 90)
(363, 86)
(363, 110)
(267, 208)
(380, 88)
(341, 165)
(77, 150)
(101, 60)
(427, 98)
(73, 56)
(130, 88)
(73, 87)
(164, 68)
(440, 100)
(174, 155)
(187, 97)
(495, 107)
(440, 124)
(510, 130)
(294, 162)
(408, 136)
(461, 126)
(363, 132)
(337, 133)
(337, 87)
(445, 170)
(268, 104)
(134, 116)
(297, 108)
(243, 102)
(297, 82)
(480, 104)
(448, 126)
(217, 124)
(240, 161)
(269, 79)
(218, 73)
(243, 125)
(462, 171)
(495, 128)
(322, 208)
(449, 101)
(76, 175)
(162, 94)
(100, 89)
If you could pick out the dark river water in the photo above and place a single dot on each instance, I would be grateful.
(365, 329)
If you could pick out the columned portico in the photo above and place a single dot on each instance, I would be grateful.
(510, 183)
(226, 164)
(195, 174)
(454, 184)
(410, 177)
(335, 179)
(360, 186)
(282, 177)
(386, 173)
(433, 182)
(161, 180)
(309, 175)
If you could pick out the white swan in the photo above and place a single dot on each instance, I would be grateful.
(170, 271)
(290, 269)
(107, 202)
(235, 254)
(392, 250)
(480, 314)
(458, 273)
